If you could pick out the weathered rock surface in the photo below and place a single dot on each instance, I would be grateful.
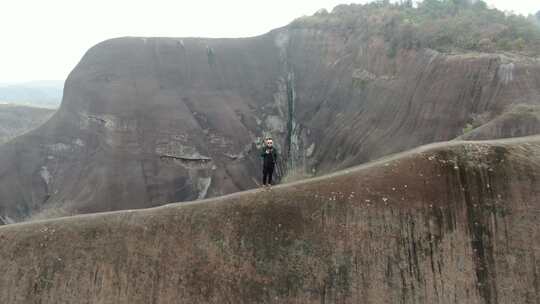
(17, 120)
(147, 121)
(446, 223)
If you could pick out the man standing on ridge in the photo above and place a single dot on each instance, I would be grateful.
(269, 156)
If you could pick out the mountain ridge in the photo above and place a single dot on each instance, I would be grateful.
(432, 147)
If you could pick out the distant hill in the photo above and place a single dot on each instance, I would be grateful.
(16, 120)
(45, 94)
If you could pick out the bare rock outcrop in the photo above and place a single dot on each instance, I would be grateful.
(445, 223)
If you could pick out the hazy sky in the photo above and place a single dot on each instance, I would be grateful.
(45, 39)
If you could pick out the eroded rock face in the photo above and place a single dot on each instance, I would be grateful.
(147, 121)
(445, 223)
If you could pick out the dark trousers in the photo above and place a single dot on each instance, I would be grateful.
(267, 174)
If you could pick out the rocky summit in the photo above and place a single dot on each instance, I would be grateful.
(445, 223)
(149, 121)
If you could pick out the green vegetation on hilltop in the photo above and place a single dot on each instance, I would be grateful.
(443, 25)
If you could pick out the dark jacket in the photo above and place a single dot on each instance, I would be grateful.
(269, 159)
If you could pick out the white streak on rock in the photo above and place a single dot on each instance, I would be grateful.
(310, 149)
(506, 73)
(45, 175)
(203, 183)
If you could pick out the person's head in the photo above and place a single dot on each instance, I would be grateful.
(269, 142)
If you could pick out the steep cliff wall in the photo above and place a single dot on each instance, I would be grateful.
(147, 121)
(450, 223)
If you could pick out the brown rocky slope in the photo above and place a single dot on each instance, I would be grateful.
(147, 121)
(447, 223)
